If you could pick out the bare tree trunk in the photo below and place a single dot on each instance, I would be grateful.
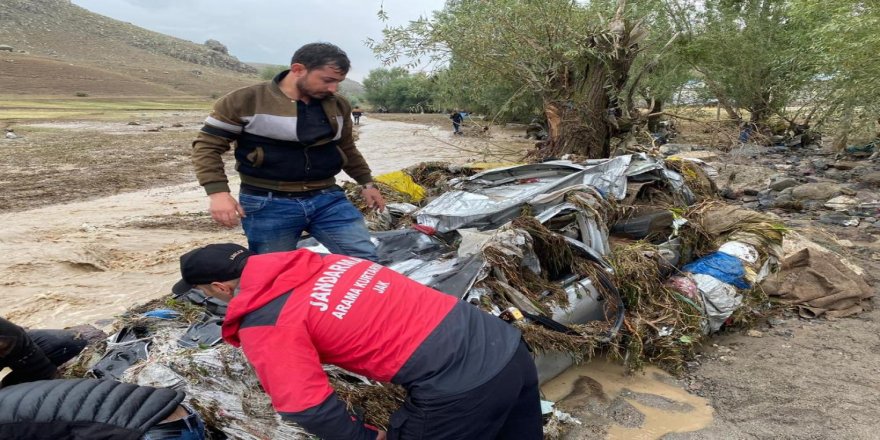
(760, 111)
(842, 137)
(654, 116)
(589, 106)
(582, 131)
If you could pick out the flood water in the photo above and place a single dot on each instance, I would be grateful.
(665, 405)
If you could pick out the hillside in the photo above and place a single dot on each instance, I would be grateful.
(62, 49)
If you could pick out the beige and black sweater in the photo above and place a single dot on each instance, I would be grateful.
(261, 121)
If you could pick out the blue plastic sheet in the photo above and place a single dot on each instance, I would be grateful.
(723, 267)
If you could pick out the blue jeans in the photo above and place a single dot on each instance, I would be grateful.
(275, 224)
(190, 427)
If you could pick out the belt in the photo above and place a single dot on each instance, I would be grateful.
(252, 191)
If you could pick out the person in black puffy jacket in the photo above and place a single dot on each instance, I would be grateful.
(35, 354)
(80, 409)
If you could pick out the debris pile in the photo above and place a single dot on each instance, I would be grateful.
(632, 256)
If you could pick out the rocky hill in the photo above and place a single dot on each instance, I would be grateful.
(53, 47)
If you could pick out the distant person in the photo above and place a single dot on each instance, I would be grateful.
(78, 409)
(468, 374)
(292, 136)
(356, 113)
(35, 354)
(456, 121)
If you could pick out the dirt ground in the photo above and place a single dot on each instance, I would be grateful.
(96, 213)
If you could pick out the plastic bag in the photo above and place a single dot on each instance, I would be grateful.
(743, 251)
(403, 183)
(720, 300)
(724, 267)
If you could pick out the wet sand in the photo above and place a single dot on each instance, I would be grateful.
(87, 261)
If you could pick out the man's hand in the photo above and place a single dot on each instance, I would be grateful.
(225, 209)
(373, 198)
(382, 435)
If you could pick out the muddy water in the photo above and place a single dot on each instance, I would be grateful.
(666, 407)
(84, 262)
(391, 145)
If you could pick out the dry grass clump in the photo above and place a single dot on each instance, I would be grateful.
(374, 402)
(695, 178)
(660, 326)
(434, 176)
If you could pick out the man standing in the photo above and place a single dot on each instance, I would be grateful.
(468, 374)
(292, 136)
(356, 113)
(456, 121)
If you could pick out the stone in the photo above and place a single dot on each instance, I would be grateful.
(819, 191)
(841, 203)
(6, 48)
(730, 194)
(832, 173)
(839, 219)
(217, 46)
(706, 156)
(844, 165)
(870, 178)
(667, 150)
(783, 183)
(754, 334)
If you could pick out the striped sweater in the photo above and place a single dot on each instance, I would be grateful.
(261, 121)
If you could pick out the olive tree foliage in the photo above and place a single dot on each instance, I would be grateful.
(502, 100)
(662, 71)
(398, 90)
(572, 57)
(752, 55)
(846, 39)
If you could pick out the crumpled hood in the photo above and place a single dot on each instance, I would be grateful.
(265, 278)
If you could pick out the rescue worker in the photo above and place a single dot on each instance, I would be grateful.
(468, 374)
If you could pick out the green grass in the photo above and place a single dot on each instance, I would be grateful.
(93, 108)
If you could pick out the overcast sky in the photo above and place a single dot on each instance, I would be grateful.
(269, 31)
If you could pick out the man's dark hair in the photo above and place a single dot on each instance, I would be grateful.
(317, 55)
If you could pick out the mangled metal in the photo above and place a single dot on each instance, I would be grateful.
(474, 242)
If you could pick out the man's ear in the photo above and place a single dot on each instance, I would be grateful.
(219, 286)
(298, 69)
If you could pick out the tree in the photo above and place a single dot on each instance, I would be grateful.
(398, 90)
(269, 72)
(458, 88)
(750, 54)
(847, 43)
(559, 52)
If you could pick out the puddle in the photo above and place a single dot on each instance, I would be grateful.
(665, 407)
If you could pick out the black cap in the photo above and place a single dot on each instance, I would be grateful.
(214, 262)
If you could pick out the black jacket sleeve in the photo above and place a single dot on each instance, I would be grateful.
(19, 352)
(330, 421)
